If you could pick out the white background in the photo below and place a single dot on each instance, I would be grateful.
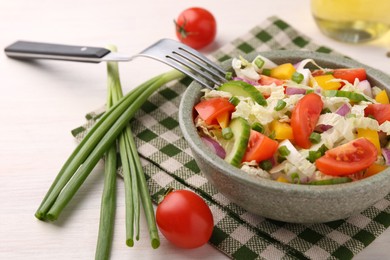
(40, 102)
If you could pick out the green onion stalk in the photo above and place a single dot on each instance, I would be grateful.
(108, 202)
(95, 144)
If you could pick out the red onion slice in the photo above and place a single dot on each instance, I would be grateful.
(214, 146)
(386, 155)
(322, 128)
(365, 86)
(343, 110)
(295, 91)
(252, 82)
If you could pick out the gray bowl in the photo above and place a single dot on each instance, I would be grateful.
(283, 201)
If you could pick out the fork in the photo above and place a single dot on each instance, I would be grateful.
(175, 54)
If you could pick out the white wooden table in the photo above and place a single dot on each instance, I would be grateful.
(40, 102)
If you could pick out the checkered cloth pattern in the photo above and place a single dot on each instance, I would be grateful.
(167, 162)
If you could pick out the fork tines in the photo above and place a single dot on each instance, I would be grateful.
(199, 65)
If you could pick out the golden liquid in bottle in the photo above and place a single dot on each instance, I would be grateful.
(352, 20)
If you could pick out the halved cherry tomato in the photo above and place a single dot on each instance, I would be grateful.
(381, 112)
(304, 118)
(266, 80)
(348, 158)
(210, 109)
(350, 74)
(346, 74)
(260, 147)
(185, 219)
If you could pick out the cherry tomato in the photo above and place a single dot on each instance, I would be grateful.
(260, 147)
(346, 74)
(185, 219)
(348, 158)
(381, 112)
(266, 80)
(196, 27)
(210, 109)
(350, 74)
(304, 118)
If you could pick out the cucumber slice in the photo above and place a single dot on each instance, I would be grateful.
(236, 150)
(243, 89)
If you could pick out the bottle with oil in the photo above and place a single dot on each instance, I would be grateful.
(352, 21)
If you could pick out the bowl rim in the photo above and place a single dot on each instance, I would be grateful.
(191, 136)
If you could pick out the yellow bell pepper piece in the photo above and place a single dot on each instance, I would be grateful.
(283, 71)
(224, 119)
(382, 97)
(374, 169)
(282, 130)
(371, 135)
(324, 81)
(282, 179)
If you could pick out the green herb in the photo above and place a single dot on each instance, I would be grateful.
(234, 100)
(283, 151)
(90, 150)
(297, 77)
(353, 96)
(266, 165)
(229, 75)
(331, 181)
(280, 105)
(227, 133)
(257, 126)
(315, 138)
(266, 72)
(295, 178)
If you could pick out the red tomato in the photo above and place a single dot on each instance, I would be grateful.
(210, 109)
(266, 80)
(305, 117)
(346, 74)
(260, 147)
(196, 27)
(350, 74)
(185, 219)
(381, 112)
(348, 158)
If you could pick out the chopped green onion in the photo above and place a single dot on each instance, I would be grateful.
(266, 165)
(280, 105)
(259, 62)
(297, 77)
(266, 72)
(295, 178)
(280, 159)
(325, 110)
(315, 138)
(283, 151)
(229, 75)
(353, 96)
(331, 181)
(272, 135)
(234, 100)
(227, 133)
(313, 156)
(308, 91)
(257, 126)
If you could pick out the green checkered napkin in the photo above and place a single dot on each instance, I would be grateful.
(167, 162)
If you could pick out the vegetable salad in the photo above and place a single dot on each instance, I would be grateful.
(291, 124)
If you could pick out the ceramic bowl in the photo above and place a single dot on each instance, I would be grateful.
(282, 201)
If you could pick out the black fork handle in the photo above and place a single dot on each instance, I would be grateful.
(40, 50)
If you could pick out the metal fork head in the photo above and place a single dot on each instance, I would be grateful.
(187, 60)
